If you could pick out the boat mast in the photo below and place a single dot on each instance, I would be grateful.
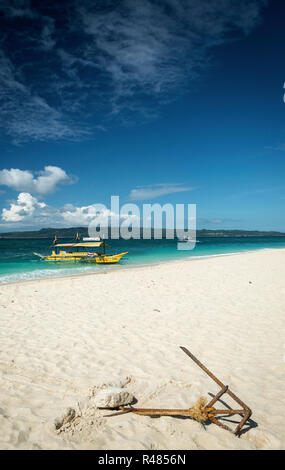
(77, 238)
(55, 243)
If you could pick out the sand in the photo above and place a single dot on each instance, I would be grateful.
(63, 339)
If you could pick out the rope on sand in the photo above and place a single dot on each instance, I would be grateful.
(199, 411)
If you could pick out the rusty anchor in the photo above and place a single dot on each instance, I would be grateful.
(201, 412)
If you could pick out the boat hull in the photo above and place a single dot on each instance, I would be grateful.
(109, 259)
(81, 258)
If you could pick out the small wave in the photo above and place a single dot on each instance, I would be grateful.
(220, 254)
(45, 273)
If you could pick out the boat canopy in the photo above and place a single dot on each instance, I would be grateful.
(81, 245)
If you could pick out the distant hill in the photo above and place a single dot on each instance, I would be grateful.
(49, 233)
(238, 233)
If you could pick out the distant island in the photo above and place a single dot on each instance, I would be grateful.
(49, 233)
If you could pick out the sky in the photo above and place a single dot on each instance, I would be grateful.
(155, 101)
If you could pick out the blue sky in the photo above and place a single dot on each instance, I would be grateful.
(155, 101)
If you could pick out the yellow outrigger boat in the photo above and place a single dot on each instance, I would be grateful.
(63, 256)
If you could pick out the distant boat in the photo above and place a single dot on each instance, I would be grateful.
(185, 239)
(188, 239)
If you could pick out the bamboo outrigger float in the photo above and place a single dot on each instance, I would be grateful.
(71, 253)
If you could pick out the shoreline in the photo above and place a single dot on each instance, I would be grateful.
(119, 268)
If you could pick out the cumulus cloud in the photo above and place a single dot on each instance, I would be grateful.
(107, 60)
(156, 190)
(85, 214)
(29, 210)
(23, 208)
(45, 182)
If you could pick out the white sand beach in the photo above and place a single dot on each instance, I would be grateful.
(63, 339)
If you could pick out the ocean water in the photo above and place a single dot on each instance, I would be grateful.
(17, 261)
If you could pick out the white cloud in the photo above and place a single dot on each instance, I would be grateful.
(108, 60)
(49, 178)
(30, 211)
(280, 147)
(156, 190)
(25, 115)
(16, 179)
(23, 208)
(206, 221)
(17, 8)
(158, 47)
(85, 214)
(217, 221)
(24, 180)
(47, 39)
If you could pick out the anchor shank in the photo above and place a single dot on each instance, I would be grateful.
(214, 378)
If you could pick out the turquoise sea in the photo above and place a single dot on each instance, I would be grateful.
(17, 261)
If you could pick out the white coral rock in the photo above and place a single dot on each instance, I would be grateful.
(112, 397)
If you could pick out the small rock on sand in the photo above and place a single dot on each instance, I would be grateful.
(112, 397)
